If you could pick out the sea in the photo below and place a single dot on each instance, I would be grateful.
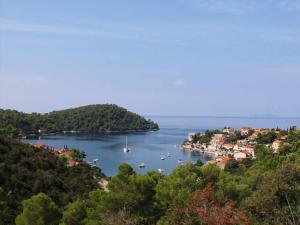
(150, 147)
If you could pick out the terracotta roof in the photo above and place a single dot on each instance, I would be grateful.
(39, 144)
(245, 128)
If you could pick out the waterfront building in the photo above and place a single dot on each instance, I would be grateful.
(245, 131)
(218, 140)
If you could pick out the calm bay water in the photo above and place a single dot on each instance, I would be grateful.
(148, 147)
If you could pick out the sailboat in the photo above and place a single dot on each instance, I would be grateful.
(126, 149)
(141, 165)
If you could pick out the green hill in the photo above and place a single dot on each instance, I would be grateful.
(25, 171)
(91, 118)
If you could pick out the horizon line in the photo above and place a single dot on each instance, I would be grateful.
(220, 116)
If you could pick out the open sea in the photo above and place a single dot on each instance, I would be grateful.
(148, 147)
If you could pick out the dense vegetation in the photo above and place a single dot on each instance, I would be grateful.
(91, 118)
(25, 171)
(264, 191)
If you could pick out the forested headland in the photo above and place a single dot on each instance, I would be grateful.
(36, 185)
(104, 118)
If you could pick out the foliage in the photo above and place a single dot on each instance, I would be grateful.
(177, 187)
(39, 210)
(74, 213)
(135, 196)
(261, 151)
(276, 198)
(206, 137)
(266, 138)
(77, 154)
(210, 210)
(25, 171)
(91, 118)
(233, 138)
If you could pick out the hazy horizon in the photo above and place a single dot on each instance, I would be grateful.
(172, 58)
(255, 116)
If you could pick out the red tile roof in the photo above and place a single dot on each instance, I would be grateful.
(39, 144)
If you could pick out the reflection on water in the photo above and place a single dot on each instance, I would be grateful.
(148, 147)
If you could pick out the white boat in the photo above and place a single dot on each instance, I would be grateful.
(163, 157)
(95, 161)
(141, 165)
(169, 154)
(179, 161)
(126, 149)
(160, 170)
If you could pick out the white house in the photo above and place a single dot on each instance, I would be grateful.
(191, 136)
(245, 131)
(239, 155)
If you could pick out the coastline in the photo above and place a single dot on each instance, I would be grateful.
(32, 136)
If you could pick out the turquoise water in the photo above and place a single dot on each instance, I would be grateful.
(148, 147)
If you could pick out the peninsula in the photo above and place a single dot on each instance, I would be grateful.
(105, 118)
(229, 145)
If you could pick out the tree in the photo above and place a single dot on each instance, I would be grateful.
(276, 199)
(74, 213)
(210, 174)
(205, 208)
(177, 187)
(266, 138)
(39, 210)
(213, 211)
(232, 166)
(261, 151)
(77, 154)
(130, 198)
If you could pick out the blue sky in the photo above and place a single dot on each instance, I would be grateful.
(158, 57)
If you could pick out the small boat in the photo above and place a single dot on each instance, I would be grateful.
(160, 170)
(163, 157)
(95, 160)
(141, 165)
(126, 149)
(169, 154)
(179, 161)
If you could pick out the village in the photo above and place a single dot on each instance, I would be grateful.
(229, 144)
(73, 156)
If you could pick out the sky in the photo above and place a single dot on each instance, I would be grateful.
(158, 57)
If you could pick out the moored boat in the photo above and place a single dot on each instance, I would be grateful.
(141, 165)
(126, 149)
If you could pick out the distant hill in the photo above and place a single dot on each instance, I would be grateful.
(103, 118)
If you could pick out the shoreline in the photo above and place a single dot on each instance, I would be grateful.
(33, 136)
